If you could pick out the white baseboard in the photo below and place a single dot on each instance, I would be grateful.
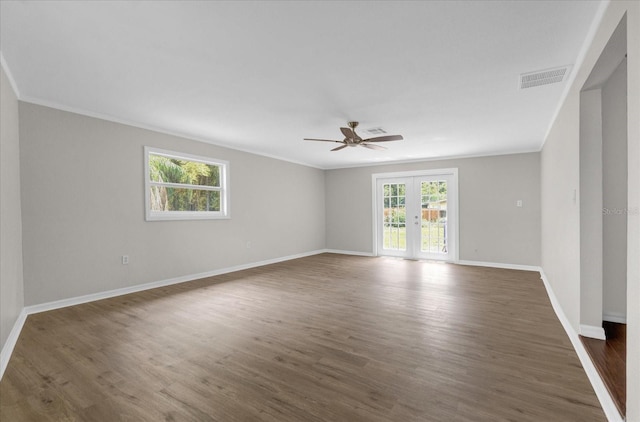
(606, 402)
(48, 306)
(609, 407)
(500, 265)
(614, 317)
(592, 331)
(10, 344)
(341, 252)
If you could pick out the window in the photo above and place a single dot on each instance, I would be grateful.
(184, 187)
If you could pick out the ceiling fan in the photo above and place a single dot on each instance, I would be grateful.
(353, 140)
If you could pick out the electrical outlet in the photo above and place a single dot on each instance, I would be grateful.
(519, 203)
(125, 259)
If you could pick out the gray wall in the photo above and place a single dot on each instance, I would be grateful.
(83, 207)
(492, 228)
(614, 186)
(591, 208)
(11, 281)
(560, 177)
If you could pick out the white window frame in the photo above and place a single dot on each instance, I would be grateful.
(151, 215)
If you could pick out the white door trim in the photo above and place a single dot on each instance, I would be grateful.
(416, 173)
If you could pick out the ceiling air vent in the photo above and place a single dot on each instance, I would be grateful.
(376, 131)
(543, 77)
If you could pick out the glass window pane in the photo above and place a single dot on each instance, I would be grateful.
(170, 170)
(201, 174)
(434, 232)
(185, 187)
(165, 170)
(181, 199)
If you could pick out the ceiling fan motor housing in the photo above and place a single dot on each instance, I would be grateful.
(352, 139)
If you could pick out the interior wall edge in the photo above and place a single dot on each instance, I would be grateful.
(11, 248)
(10, 343)
(7, 72)
(609, 407)
(586, 46)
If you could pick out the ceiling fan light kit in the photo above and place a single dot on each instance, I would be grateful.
(351, 139)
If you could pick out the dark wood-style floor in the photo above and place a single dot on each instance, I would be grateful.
(324, 338)
(610, 359)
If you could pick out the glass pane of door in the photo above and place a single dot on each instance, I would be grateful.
(394, 230)
(433, 220)
(416, 216)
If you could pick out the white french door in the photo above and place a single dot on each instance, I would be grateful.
(416, 215)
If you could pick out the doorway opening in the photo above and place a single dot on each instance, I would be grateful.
(603, 214)
(416, 214)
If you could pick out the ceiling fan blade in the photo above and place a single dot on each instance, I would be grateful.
(385, 138)
(339, 148)
(322, 140)
(348, 133)
(377, 147)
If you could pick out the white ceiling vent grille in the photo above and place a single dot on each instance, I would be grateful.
(543, 77)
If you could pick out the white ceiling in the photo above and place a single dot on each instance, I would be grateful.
(260, 76)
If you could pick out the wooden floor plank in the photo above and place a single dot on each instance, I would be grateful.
(323, 338)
